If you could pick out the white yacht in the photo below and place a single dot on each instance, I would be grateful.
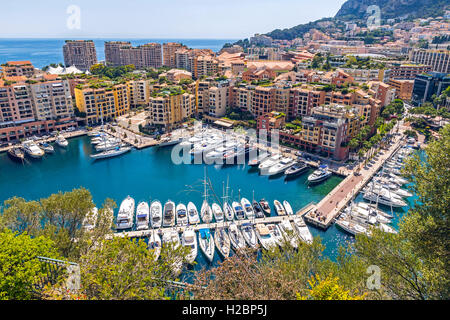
(236, 238)
(373, 208)
(193, 216)
(279, 208)
(90, 220)
(217, 211)
(228, 211)
(258, 160)
(280, 167)
(32, 150)
(389, 188)
(142, 216)
(156, 214)
(351, 227)
(61, 141)
(111, 153)
(46, 147)
(266, 164)
(222, 241)
(320, 174)
(125, 215)
(182, 218)
(365, 215)
(384, 198)
(189, 239)
(302, 230)
(276, 233)
(238, 210)
(220, 151)
(206, 242)
(169, 214)
(288, 208)
(249, 235)
(289, 233)
(206, 212)
(265, 236)
(250, 214)
(154, 244)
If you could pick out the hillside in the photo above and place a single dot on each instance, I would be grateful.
(355, 10)
(392, 9)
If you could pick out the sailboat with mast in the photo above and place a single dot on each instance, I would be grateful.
(205, 211)
(227, 209)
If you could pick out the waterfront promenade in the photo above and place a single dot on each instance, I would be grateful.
(214, 225)
(329, 207)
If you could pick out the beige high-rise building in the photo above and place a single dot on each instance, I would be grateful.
(169, 50)
(112, 52)
(52, 100)
(104, 103)
(80, 53)
(167, 109)
(119, 53)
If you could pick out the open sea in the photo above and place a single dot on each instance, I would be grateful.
(149, 174)
(42, 52)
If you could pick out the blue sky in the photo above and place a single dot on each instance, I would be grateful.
(226, 19)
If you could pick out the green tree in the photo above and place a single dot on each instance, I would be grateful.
(123, 269)
(415, 262)
(328, 289)
(19, 268)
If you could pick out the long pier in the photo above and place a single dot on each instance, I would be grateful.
(329, 207)
(215, 225)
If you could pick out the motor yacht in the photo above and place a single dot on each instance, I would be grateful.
(154, 244)
(189, 239)
(320, 174)
(280, 167)
(288, 208)
(142, 216)
(193, 215)
(156, 214)
(181, 215)
(297, 169)
(169, 214)
(32, 150)
(247, 206)
(279, 208)
(238, 210)
(125, 215)
(249, 235)
(302, 230)
(265, 237)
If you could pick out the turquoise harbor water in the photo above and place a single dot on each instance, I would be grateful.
(149, 174)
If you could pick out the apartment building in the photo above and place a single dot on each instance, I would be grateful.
(17, 68)
(326, 131)
(303, 100)
(407, 71)
(139, 92)
(112, 52)
(52, 100)
(80, 53)
(270, 121)
(33, 107)
(170, 108)
(119, 53)
(204, 66)
(102, 103)
(403, 88)
(218, 100)
(169, 50)
(364, 75)
(439, 60)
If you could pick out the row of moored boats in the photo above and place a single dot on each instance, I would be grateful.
(384, 189)
(235, 236)
(35, 149)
